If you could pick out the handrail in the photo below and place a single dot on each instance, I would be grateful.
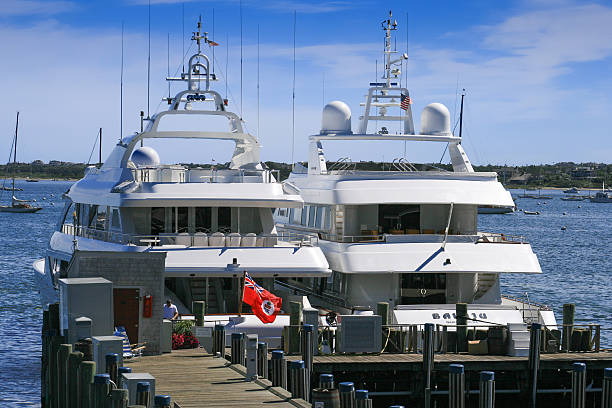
(270, 240)
(450, 215)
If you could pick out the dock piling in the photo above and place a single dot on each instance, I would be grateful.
(251, 357)
(326, 381)
(112, 367)
(198, 311)
(307, 346)
(237, 348)
(295, 319)
(428, 361)
(606, 389)
(487, 389)
(456, 386)
(347, 394)
(578, 385)
(74, 360)
(534, 362)
(569, 311)
(87, 371)
(461, 311)
(297, 380)
(262, 360)
(63, 352)
(120, 372)
(119, 398)
(279, 369)
(219, 340)
(143, 393)
(362, 400)
(162, 401)
(101, 389)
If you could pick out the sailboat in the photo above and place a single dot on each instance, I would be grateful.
(17, 205)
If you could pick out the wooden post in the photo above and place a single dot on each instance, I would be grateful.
(295, 319)
(43, 357)
(382, 309)
(534, 362)
(198, 311)
(569, 310)
(87, 371)
(101, 389)
(63, 352)
(462, 314)
(74, 360)
(119, 398)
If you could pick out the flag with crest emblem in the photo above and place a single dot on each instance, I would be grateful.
(263, 303)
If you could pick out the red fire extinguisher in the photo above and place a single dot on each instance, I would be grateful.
(147, 307)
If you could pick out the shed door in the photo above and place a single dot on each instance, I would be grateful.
(126, 308)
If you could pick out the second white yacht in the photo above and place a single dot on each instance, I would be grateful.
(405, 236)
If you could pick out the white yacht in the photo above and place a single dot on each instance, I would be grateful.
(207, 220)
(407, 236)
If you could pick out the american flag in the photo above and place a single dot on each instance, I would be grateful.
(406, 102)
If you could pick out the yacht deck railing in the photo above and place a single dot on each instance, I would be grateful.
(481, 237)
(198, 239)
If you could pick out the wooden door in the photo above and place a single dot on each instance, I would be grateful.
(126, 307)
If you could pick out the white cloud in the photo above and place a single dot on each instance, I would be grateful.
(11, 8)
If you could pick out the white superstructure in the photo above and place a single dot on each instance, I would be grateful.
(212, 222)
(406, 236)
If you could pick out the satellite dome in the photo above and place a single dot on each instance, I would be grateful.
(336, 118)
(435, 120)
(145, 157)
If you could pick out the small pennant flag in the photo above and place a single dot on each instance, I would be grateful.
(212, 43)
(406, 102)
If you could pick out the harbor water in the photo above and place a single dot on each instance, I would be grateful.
(575, 263)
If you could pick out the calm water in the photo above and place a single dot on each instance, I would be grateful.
(576, 266)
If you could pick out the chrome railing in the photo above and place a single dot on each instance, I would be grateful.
(211, 175)
(481, 237)
(199, 239)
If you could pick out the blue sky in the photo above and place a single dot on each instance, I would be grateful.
(537, 74)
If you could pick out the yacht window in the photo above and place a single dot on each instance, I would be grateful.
(304, 216)
(291, 214)
(115, 219)
(225, 219)
(182, 219)
(319, 217)
(311, 216)
(282, 212)
(101, 217)
(91, 216)
(157, 220)
(203, 219)
(327, 223)
(399, 218)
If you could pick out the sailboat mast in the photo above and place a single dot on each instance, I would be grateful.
(15, 154)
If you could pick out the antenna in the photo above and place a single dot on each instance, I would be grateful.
(293, 94)
(183, 37)
(149, 66)
(100, 149)
(461, 113)
(121, 90)
(169, 96)
(213, 37)
(226, 62)
(323, 88)
(258, 83)
(241, 112)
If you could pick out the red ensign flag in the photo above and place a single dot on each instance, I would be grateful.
(263, 303)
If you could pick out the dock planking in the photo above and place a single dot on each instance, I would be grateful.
(193, 378)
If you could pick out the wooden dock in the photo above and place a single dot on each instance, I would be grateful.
(194, 378)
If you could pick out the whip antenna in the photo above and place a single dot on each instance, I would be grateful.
(121, 90)
(241, 112)
(258, 83)
(149, 66)
(293, 94)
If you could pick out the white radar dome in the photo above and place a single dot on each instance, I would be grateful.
(336, 118)
(145, 157)
(435, 120)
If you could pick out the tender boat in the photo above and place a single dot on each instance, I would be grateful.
(405, 236)
(572, 190)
